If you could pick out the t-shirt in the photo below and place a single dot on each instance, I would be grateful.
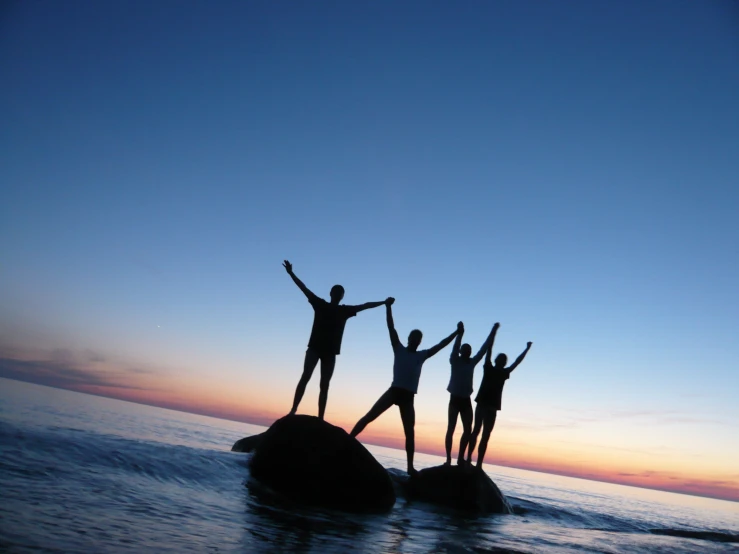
(328, 325)
(460, 383)
(407, 367)
(491, 388)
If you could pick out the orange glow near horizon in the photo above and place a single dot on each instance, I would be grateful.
(515, 443)
(506, 448)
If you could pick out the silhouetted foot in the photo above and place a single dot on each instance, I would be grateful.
(412, 472)
(448, 463)
(292, 412)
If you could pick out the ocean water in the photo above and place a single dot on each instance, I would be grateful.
(80, 473)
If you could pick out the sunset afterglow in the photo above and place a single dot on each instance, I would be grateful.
(578, 187)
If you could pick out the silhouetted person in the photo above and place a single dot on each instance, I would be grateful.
(325, 338)
(460, 390)
(489, 399)
(406, 373)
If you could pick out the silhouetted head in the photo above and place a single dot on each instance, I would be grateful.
(465, 351)
(501, 360)
(414, 339)
(337, 293)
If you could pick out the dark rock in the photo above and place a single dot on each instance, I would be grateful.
(316, 463)
(247, 444)
(458, 487)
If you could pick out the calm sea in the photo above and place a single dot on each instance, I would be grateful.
(79, 473)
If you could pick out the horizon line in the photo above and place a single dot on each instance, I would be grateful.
(419, 450)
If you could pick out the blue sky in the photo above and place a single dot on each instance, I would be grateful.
(568, 169)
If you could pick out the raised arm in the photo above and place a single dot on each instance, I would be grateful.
(443, 344)
(394, 340)
(514, 365)
(487, 346)
(457, 342)
(289, 268)
(489, 355)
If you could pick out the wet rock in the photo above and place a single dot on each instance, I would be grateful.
(316, 463)
(458, 487)
(247, 444)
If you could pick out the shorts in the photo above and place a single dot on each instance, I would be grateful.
(486, 407)
(323, 355)
(460, 403)
(401, 396)
(491, 400)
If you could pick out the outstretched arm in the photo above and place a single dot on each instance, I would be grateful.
(369, 305)
(514, 365)
(457, 342)
(487, 345)
(289, 268)
(443, 344)
(394, 340)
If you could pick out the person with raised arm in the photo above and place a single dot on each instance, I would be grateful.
(460, 389)
(329, 321)
(406, 374)
(489, 399)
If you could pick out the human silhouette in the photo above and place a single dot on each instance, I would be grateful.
(489, 399)
(406, 373)
(460, 389)
(325, 338)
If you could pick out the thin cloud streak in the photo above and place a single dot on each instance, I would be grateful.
(66, 369)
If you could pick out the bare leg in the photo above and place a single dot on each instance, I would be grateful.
(487, 428)
(311, 359)
(466, 416)
(380, 407)
(327, 370)
(408, 415)
(475, 432)
(452, 423)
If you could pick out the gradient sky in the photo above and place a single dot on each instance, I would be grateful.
(569, 169)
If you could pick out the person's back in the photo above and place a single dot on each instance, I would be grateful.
(407, 367)
(460, 381)
(491, 387)
(329, 321)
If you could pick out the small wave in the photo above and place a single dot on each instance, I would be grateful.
(574, 517)
(43, 453)
(713, 536)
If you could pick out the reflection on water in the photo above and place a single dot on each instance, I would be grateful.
(86, 474)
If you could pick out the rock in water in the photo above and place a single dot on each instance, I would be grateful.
(247, 444)
(460, 488)
(316, 463)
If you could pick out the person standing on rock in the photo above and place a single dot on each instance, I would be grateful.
(460, 390)
(325, 339)
(406, 374)
(489, 399)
